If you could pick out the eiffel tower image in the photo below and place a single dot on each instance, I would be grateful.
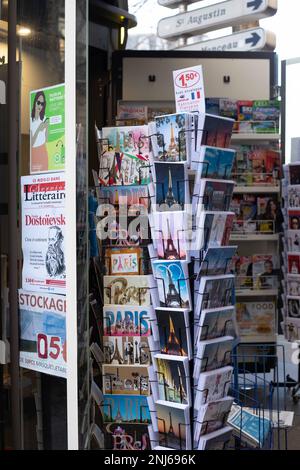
(118, 417)
(172, 146)
(117, 355)
(173, 297)
(181, 387)
(169, 249)
(173, 345)
(170, 198)
(171, 430)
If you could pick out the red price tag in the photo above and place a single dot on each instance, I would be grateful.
(187, 79)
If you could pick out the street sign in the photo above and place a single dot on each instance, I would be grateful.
(217, 16)
(250, 40)
(175, 3)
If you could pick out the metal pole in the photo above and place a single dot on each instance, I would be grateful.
(13, 227)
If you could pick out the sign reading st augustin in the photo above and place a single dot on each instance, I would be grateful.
(217, 16)
(189, 90)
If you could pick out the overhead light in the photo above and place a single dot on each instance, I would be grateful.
(23, 31)
(122, 35)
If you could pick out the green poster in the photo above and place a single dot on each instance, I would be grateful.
(47, 129)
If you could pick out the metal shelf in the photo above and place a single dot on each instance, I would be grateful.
(240, 237)
(254, 137)
(256, 292)
(256, 189)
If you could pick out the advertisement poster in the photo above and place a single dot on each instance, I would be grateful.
(189, 90)
(43, 333)
(47, 129)
(43, 233)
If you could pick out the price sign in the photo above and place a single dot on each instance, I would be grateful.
(189, 90)
(43, 346)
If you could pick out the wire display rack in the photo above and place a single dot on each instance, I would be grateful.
(259, 387)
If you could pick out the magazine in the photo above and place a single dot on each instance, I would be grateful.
(256, 319)
(293, 197)
(293, 241)
(294, 219)
(265, 274)
(254, 429)
(293, 263)
(293, 285)
(293, 307)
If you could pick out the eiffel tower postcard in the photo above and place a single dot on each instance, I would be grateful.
(125, 409)
(125, 380)
(174, 332)
(173, 425)
(215, 323)
(170, 235)
(212, 195)
(171, 186)
(213, 162)
(213, 354)
(173, 283)
(122, 320)
(214, 292)
(213, 131)
(126, 350)
(216, 261)
(172, 142)
(173, 382)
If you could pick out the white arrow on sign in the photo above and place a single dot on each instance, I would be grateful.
(217, 16)
(250, 40)
(175, 3)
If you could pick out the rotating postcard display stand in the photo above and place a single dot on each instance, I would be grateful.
(291, 253)
(168, 314)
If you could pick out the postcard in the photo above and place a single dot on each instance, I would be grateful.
(118, 168)
(212, 385)
(171, 186)
(215, 323)
(293, 263)
(213, 229)
(125, 261)
(174, 332)
(125, 380)
(125, 409)
(294, 219)
(172, 375)
(173, 283)
(133, 198)
(293, 241)
(213, 131)
(217, 440)
(172, 142)
(213, 162)
(120, 320)
(216, 261)
(173, 425)
(212, 354)
(212, 195)
(127, 290)
(124, 436)
(293, 285)
(126, 350)
(293, 307)
(214, 292)
(212, 417)
(171, 234)
(256, 319)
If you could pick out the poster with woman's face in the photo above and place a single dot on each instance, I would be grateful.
(47, 129)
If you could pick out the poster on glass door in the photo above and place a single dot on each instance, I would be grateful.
(43, 333)
(43, 233)
(47, 129)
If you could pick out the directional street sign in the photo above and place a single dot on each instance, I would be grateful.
(175, 3)
(217, 16)
(250, 40)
